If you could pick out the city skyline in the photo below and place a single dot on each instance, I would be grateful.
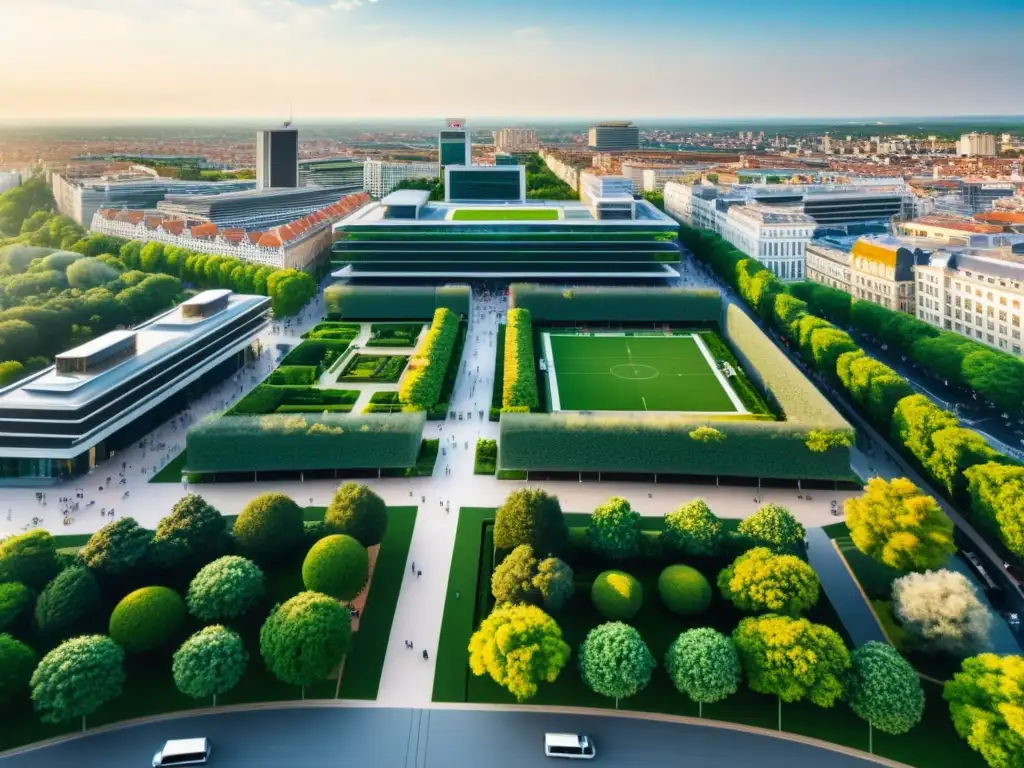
(358, 59)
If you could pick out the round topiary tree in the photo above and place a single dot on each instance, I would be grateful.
(209, 663)
(530, 516)
(358, 512)
(614, 530)
(615, 661)
(17, 662)
(693, 530)
(117, 547)
(617, 595)
(146, 618)
(704, 664)
(337, 566)
(69, 604)
(884, 689)
(29, 558)
(269, 528)
(77, 677)
(758, 580)
(684, 590)
(305, 638)
(15, 603)
(225, 589)
(193, 533)
(773, 526)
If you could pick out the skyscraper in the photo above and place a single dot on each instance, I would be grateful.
(614, 136)
(277, 158)
(453, 145)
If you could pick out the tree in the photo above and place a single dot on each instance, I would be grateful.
(759, 580)
(986, 699)
(997, 501)
(773, 526)
(826, 345)
(358, 512)
(614, 530)
(304, 639)
(884, 689)
(792, 658)
(68, 604)
(225, 589)
(940, 611)
(554, 580)
(915, 420)
(89, 273)
(77, 677)
(703, 664)
(15, 604)
(519, 646)
(897, 524)
(146, 619)
(615, 661)
(209, 663)
(10, 372)
(616, 595)
(955, 450)
(17, 661)
(787, 310)
(684, 590)
(193, 533)
(530, 516)
(117, 547)
(269, 528)
(995, 376)
(692, 529)
(512, 580)
(30, 558)
(337, 566)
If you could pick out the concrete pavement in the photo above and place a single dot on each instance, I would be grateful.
(842, 590)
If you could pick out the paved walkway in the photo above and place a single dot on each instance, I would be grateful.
(842, 589)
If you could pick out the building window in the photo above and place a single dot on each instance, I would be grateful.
(1002, 300)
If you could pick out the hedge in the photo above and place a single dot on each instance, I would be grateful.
(549, 304)
(285, 442)
(294, 375)
(272, 398)
(424, 378)
(519, 373)
(365, 302)
(319, 353)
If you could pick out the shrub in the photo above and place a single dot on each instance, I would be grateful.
(17, 662)
(304, 638)
(269, 528)
(68, 604)
(684, 590)
(146, 618)
(294, 375)
(614, 530)
(773, 526)
(985, 700)
(758, 580)
(615, 661)
(209, 663)
(15, 603)
(421, 386)
(30, 558)
(884, 689)
(117, 547)
(530, 516)
(193, 533)
(77, 677)
(940, 611)
(337, 566)
(554, 580)
(519, 387)
(358, 512)
(692, 529)
(225, 589)
(704, 664)
(617, 595)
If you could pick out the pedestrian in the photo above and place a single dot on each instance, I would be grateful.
(418, 574)
(414, 566)
(425, 656)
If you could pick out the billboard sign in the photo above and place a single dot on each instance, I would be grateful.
(456, 122)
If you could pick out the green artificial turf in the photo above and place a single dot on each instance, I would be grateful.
(634, 373)
(505, 214)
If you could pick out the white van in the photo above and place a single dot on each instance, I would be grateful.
(183, 752)
(569, 745)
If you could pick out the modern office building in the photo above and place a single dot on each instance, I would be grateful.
(652, 177)
(828, 266)
(343, 173)
(614, 137)
(516, 140)
(485, 184)
(9, 180)
(607, 196)
(981, 196)
(453, 146)
(277, 158)
(254, 209)
(106, 394)
(502, 158)
(882, 269)
(977, 144)
(976, 293)
(381, 177)
(406, 236)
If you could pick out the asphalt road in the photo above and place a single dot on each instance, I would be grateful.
(434, 738)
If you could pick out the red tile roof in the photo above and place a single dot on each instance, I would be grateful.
(1000, 217)
(173, 226)
(209, 229)
(961, 225)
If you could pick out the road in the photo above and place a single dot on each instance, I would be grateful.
(373, 737)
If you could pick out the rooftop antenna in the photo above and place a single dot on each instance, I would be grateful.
(288, 122)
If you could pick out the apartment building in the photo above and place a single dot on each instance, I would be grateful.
(974, 144)
(950, 229)
(828, 266)
(882, 269)
(511, 140)
(381, 177)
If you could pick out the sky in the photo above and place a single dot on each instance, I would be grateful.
(624, 59)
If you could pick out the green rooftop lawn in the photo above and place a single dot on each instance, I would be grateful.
(505, 214)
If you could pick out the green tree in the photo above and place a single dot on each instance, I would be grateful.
(117, 547)
(997, 501)
(519, 646)
(193, 533)
(358, 512)
(792, 658)
(787, 311)
(616, 595)
(759, 580)
(692, 529)
(955, 450)
(269, 528)
(151, 257)
(773, 526)
(554, 580)
(77, 677)
(209, 663)
(89, 273)
(939, 611)
(614, 530)
(986, 703)
(304, 639)
(943, 355)
(337, 566)
(68, 604)
(18, 340)
(17, 662)
(995, 376)
(897, 524)
(30, 558)
(146, 618)
(10, 372)
(530, 516)
(15, 604)
(512, 580)
(884, 689)
(914, 422)
(615, 661)
(684, 590)
(826, 345)
(703, 664)
(225, 589)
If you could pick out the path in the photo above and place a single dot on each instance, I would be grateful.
(842, 589)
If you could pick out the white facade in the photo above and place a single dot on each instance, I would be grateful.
(828, 266)
(570, 174)
(651, 177)
(516, 140)
(380, 177)
(593, 186)
(9, 180)
(972, 144)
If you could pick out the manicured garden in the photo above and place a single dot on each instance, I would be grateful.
(485, 461)
(502, 214)
(394, 334)
(370, 368)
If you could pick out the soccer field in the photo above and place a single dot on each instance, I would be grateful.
(634, 373)
(505, 214)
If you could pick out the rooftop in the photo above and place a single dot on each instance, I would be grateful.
(775, 214)
(415, 197)
(958, 224)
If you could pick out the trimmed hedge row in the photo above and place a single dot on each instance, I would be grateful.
(642, 305)
(424, 379)
(519, 374)
(285, 442)
(270, 398)
(365, 302)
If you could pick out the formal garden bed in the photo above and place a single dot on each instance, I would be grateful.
(394, 334)
(373, 368)
(153, 590)
(425, 461)
(333, 331)
(485, 461)
(931, 742)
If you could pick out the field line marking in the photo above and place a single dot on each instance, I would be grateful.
(718, 374)
(556, 403)
(645, 402)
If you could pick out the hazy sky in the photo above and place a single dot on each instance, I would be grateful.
(527, 58)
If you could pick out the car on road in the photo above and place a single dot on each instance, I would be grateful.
(183, 752)
(569, 745)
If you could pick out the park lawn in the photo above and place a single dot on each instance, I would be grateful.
(171, 473)
(486, 457)
(505, 214)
